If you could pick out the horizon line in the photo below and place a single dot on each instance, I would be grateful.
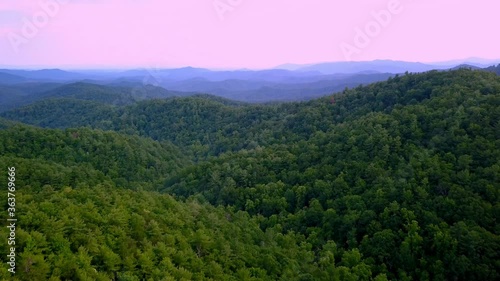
(484, 61)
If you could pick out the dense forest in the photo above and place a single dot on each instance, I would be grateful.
(396, 180)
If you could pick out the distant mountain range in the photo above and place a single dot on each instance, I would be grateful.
(282, 73)
(290, 82)
(479, 62)
(385, 66)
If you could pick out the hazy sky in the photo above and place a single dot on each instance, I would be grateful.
(242, 33)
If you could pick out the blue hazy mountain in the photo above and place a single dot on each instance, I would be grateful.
(44, 74)
(478, 62)
(7, 78)
(288, 89)
(381, 66)
(385, 66)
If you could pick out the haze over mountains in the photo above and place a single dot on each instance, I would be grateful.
(386, 66)
(283, 83)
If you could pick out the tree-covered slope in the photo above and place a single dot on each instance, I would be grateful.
(129, 161)
(91, 92)
(104, 233)
(413, 183)
(202, 123)
(76, 221)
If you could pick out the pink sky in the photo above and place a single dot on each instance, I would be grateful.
(253, 34)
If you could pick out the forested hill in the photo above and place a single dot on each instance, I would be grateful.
(398, 180)
(128, 161)
(22, 94)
